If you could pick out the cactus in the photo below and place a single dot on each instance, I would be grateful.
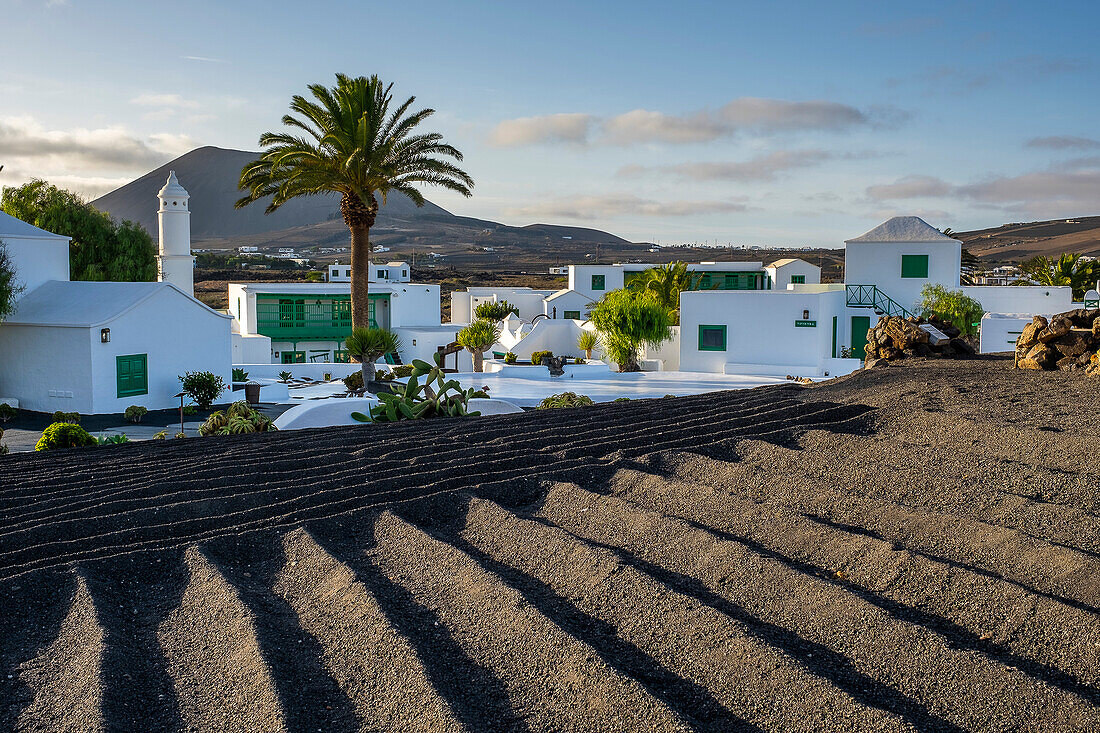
(239, 418)
(435, 397)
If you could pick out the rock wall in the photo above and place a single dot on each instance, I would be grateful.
(894, 337)
(1068, 341)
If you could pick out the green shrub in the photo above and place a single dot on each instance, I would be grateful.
(382, 376)
(565, 399)
(403, 371)
(112, 439)
(510, 358)
(3, 450)
(189, 409)
(181, 435)
(202, 387)
(237, 419)
(162, 435)
(586, 342)
(627, 321)
(7, 412)
(239, 375)
(495, 311)
(480, 394)
(477, 338)
(69, 417)
(354, 381)
(951, 306)
(285, 376)
(621, 399)
(536, 356)
(64, 435)
(134, 413)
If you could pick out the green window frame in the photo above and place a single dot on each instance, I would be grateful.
(294, 357)
(339, 356)
(710, 336)
(914, 266)
(132, 375)
(798, 279)
(575, 315)
(598, 282)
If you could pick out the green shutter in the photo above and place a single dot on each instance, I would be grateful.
(131, 375)
(575, 315)
(798, 279)
(597, 282)
(712, 338)
(914, 266)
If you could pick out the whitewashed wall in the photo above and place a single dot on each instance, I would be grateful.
(251, 349)
(580, 279)
(568, 300)
(35, 361)
(1021, 299)
(1000, 331)
(38, 260)
(761, 330)
(781, 276)
(879, 263)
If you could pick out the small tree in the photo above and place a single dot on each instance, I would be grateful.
(495, 311)
(476, 338)
(951, 306)
(627, 321)
(587, 341)
(9, 289)
(202, 387)
(368, 345)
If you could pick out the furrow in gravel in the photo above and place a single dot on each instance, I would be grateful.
(67, 470)
(219, 674)
(592, 593)
(1058, 571)
(845, 632)
(66, 677)
(284, 469)
(554, 680)
(1045, 638)
(373, 663)
(306, 501)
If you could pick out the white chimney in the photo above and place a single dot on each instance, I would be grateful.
(176, 265)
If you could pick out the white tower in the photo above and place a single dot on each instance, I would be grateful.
(176, 265)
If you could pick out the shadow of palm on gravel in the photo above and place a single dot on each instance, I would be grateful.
(692, 702)
(309, 696)
(477, 698)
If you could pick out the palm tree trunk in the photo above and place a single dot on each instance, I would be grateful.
(367, 367)
(360, 276)
(479, 361)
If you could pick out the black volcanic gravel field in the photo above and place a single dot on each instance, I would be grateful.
(912, 548)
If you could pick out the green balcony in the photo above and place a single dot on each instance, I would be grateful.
(294, 318)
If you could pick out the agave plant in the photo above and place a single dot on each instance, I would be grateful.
(239, 418)
(435, 397)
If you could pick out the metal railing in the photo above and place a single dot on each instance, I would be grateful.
(869, 296)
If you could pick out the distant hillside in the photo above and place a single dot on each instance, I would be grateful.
(210, 176)
(1012, 242)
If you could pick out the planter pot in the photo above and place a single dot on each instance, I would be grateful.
(252, 393)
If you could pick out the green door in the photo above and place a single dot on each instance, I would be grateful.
(131, 375)
(294, 357)
(860, 325)
(834, 336)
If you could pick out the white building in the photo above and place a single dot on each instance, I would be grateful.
(390, 272)
(568, 304)
(99, 347)
(308, 322)
(593, 281)
(792, 271)
(529, 302)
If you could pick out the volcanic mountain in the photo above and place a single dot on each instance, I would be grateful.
(210, 175)
(1019, 241)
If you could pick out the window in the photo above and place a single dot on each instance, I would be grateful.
(341, 357)
(383, 274)
(404, 273)
(712, 338)
(914, 266)
(575, 315)
(132, 375)
(597, 282)
(294, 357)
(798, 279)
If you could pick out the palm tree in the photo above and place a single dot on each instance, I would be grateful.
(476, 338)
(664, 284)
(1068, 269)
(354, 146)
(368, 345)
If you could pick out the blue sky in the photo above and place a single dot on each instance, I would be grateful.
(799, 123)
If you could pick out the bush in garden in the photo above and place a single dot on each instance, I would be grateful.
(7, 412)
(162, 435)
(537, 356)
(238, 419)
(134, 413)
(382, 376)
(495, 311)
(202, 387)
(112, 439)
(402, 371)
(951, 306)
(510, 358)
(565, 399)
(64, 435)
(73, 417)
(627, 321)
(354, 382)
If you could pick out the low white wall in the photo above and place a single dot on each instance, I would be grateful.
(313, 371)
(1021, 299)
(668, 352)
(559, 336)
(32, 367)
(422, 343)
(1000, 331)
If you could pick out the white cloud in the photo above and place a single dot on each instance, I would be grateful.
(164, 100)
(618, 205)
(910, 187)
(1063, 142)
(568, 127)
(744, 115)
(761, 168)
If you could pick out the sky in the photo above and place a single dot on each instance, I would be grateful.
(763, 123)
